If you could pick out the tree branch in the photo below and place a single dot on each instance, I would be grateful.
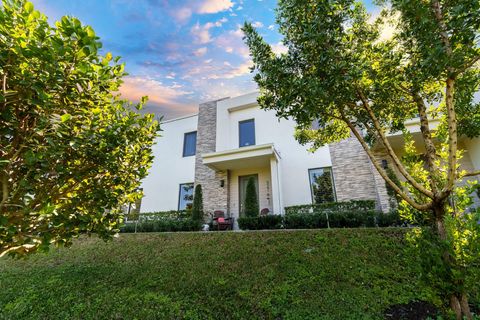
(427, 139)
(389, 148)
(471, 174)
(382, 172)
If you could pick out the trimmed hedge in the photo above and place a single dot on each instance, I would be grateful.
(163, 225)
(261, 222)
(353, 206)
(318, 220)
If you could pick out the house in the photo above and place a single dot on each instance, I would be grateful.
(231, 140)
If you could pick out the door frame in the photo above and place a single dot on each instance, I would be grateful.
(240, 204)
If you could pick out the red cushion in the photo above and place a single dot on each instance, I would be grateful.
(221, 219)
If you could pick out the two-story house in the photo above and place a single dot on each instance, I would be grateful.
(231, 140)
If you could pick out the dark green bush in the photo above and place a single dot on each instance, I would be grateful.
(197, 208)
(353, 206)
(261, 222)
(163, 225)
(305, 221)
(390, 219)
(251, 201)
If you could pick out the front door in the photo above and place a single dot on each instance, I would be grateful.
(242, 181)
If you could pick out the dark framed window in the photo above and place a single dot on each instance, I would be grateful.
(246, 133)
(190, 144)
(321, 185)
(185, 196)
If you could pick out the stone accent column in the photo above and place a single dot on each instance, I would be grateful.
(215, 197)
(352, 171)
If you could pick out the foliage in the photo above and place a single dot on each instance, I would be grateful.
(158, 215)
(162, 225)
(72, 152)
(342, 71)
(328, 274)
(197, 209)
(251, 208)
(354, 205)
(272, 221)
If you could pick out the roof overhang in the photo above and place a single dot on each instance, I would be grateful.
(241, 158)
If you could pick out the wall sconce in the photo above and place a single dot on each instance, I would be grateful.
(222, 183)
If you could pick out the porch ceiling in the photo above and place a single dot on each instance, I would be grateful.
(241, 158)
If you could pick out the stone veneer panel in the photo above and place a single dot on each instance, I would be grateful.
(215, 197)
(352, 171)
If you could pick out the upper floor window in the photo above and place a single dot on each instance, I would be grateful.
(246, 133)
(321, 185)
(189, 144)
(185, 198)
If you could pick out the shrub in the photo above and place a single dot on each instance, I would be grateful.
(354, 206)
(251, 201)
(305, 221)
(163, 225)
(260, 223)
(197, 209)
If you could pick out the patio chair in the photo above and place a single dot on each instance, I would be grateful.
(221, 222)
(264, 212)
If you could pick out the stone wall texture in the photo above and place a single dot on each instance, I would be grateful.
(215, 197)
(352, 171)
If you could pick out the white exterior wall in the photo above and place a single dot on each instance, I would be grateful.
(170, 169)
(295, 159)
(473, 147)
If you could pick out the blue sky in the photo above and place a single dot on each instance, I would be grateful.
(178, 52)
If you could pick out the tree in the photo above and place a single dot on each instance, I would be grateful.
(72, 152)
(341, 70)
(251, 201)
(197, 210)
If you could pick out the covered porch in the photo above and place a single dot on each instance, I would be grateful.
(260, 162)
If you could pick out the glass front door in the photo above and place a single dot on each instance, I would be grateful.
(243, 180)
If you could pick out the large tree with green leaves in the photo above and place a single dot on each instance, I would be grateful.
(72, 152)
(342, 70)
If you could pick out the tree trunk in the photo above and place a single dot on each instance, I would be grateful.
(458, 301)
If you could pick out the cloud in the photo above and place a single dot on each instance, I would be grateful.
(214, 6)
(241, 70)
(182, 14)
(271, 27)
(201, 33)
(232, 42)
(278, 48)
(163, 100)
(200, 52)
(257, 24)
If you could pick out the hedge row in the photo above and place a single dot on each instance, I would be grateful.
(344, 206)
(163, 225)
(346, 219)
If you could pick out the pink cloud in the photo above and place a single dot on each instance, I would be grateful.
(214, 6)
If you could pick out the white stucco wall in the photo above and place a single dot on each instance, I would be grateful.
(473, 147)
(295, 159)
(170, 168)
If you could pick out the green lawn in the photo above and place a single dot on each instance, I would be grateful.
(317, 274)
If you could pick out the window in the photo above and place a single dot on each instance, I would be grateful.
(189, 144)
(246, 132)
(185, 199)
(321, 185)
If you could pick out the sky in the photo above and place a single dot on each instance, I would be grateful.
(178, 52)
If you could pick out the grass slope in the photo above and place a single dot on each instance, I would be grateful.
(316, 274)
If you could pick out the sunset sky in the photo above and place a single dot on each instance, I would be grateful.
(179, 53)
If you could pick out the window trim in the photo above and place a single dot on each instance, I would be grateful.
(180, 193)
(310, 183)
(254, 133)
(184, 143)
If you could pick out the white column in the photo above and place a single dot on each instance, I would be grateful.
(277, 206)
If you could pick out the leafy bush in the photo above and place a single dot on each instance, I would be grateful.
(260, 223)
(305, 221)
(354, 206)
(251, 202)
(163, 225)
(197, 208)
